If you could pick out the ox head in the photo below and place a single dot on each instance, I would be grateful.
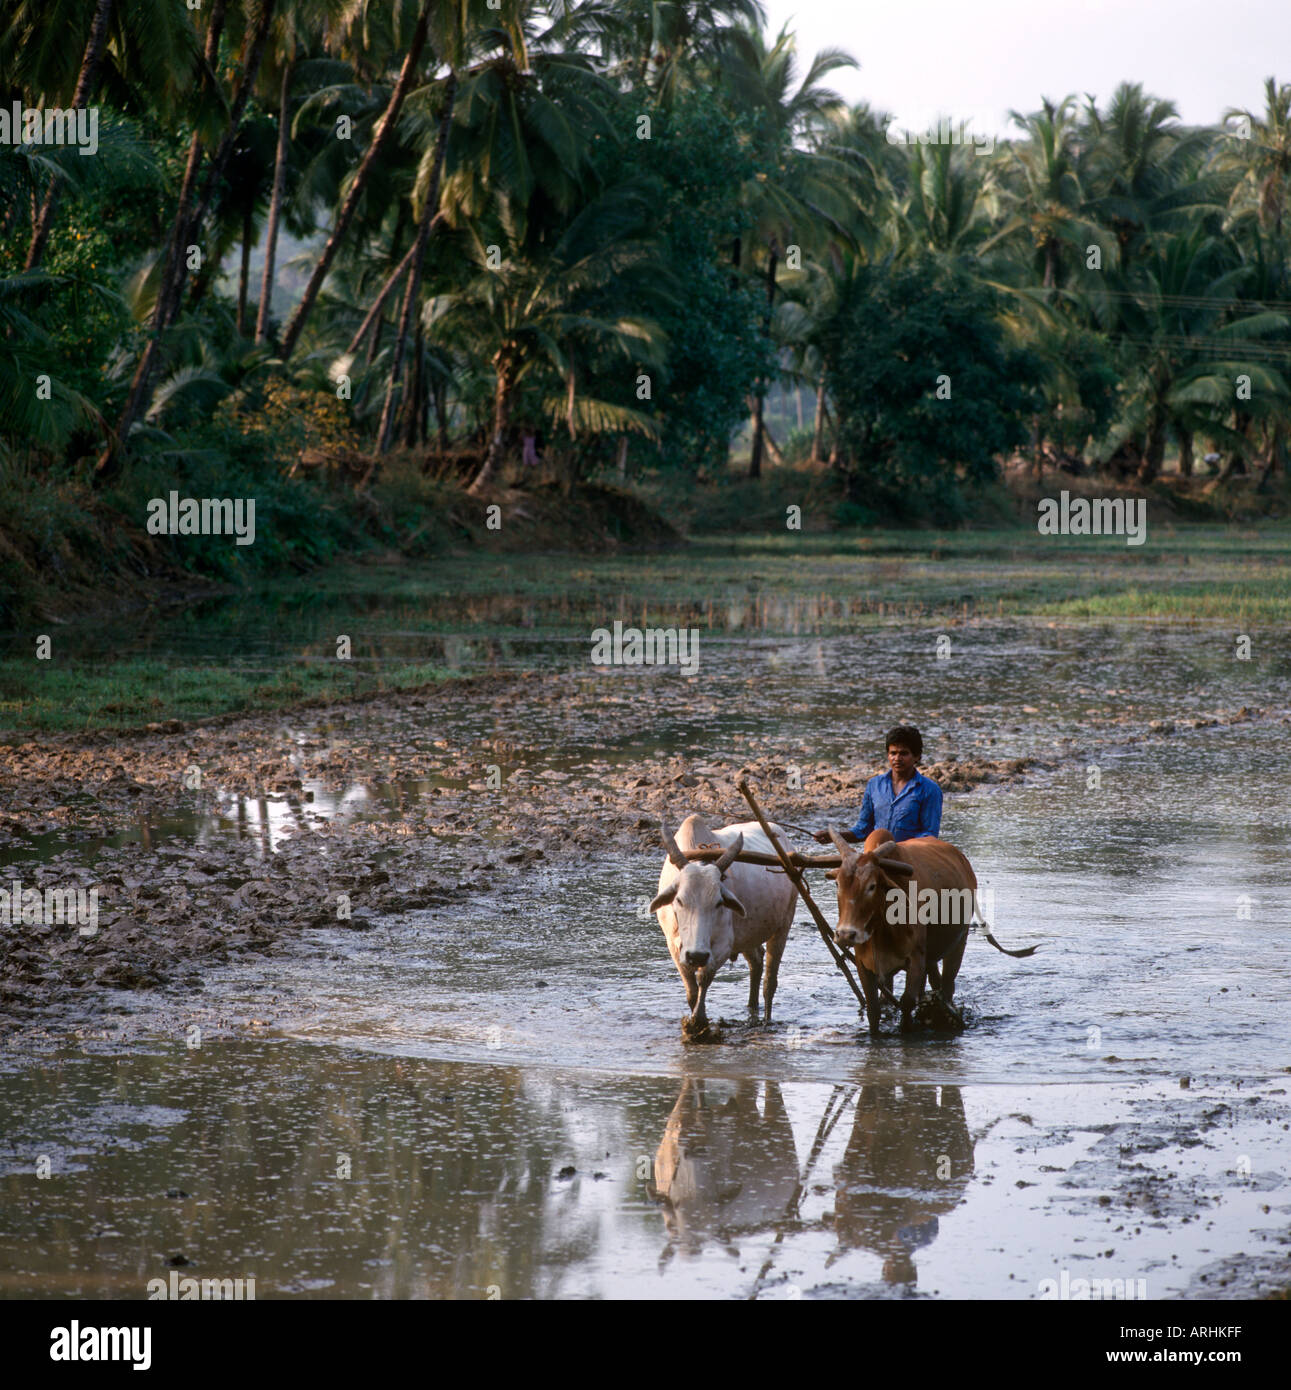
(698, 896)
(864, 878)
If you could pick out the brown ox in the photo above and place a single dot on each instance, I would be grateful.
(908, 906)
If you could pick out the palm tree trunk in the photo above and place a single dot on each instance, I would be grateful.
(1234, 464)
(244, 270)
(1185, 453)
(1153, 454)
(87, 80)
(818, 437)
(438, 392)
(414, 411)
(492, 464)
(379, 302)
(1272, 456)
(755, 453)
(429, 218)
(275, 208)
(755, 449)
(381, 138)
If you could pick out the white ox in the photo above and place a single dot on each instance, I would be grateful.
(711, 913)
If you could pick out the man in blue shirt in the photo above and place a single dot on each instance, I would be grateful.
(901, 800)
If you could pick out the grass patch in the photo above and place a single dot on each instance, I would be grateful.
(133, 693)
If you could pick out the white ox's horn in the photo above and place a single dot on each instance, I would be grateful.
(674, 854)
(729, 857)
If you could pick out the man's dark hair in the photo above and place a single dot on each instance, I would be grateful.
(905, 736)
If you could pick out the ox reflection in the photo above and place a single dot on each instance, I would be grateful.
(907, 1163)
(724, 1167)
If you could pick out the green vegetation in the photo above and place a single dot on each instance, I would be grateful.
(548, 243)
(471, 614)
(135, 692)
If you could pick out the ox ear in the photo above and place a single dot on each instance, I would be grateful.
(664, 898)
(730, 900)
(831, 873)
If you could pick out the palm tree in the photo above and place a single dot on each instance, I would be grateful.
(37, 59)
(658, 46)
(458, 25)
(296, 58)
(86, 81)
(193, 206)
(1141, 167)
(1186, 346)
(804, 197)
(532, 314)
(382, 136)
(1049, 203)
(1263, 159)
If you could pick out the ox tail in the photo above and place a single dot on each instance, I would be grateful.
(1025, 951)
(986, 932)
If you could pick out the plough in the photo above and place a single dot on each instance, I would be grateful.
(792, 863)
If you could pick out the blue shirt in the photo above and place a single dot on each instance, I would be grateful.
(917, 811)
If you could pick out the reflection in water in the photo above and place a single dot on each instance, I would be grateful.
(728, 1165)
(725, 1165)
(907, 1162)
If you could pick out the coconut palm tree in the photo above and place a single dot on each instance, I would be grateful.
(532, 312)
(1262, 156)
(1186, 347)
(381, 137)
(803, 196)
(195, 199)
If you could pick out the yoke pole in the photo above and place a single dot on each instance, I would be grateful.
(795, 876)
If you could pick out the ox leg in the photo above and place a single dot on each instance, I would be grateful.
(775, 949)
(755, 958)
(870, 988)
(699, 1019)
(950, 966)
(914, 977)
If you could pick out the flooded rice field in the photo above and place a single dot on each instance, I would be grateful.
(479, 1088)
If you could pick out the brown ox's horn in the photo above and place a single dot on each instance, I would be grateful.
(885, 858)
(674, 854)
(728, 858)
(840, 844)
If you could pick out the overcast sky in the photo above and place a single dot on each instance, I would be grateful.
(979, 58)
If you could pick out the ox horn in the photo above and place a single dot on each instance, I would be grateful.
(840, 844)
(885, 857)
(729, 857)
(674, 854)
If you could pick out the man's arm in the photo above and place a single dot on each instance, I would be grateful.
(860, 830)
(930, 809)
(865, 821)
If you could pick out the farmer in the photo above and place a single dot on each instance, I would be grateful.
(901, 800)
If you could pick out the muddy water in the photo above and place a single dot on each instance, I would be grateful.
(493, 1099)
(1133, 893)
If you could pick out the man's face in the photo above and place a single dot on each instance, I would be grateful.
(900, 761)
